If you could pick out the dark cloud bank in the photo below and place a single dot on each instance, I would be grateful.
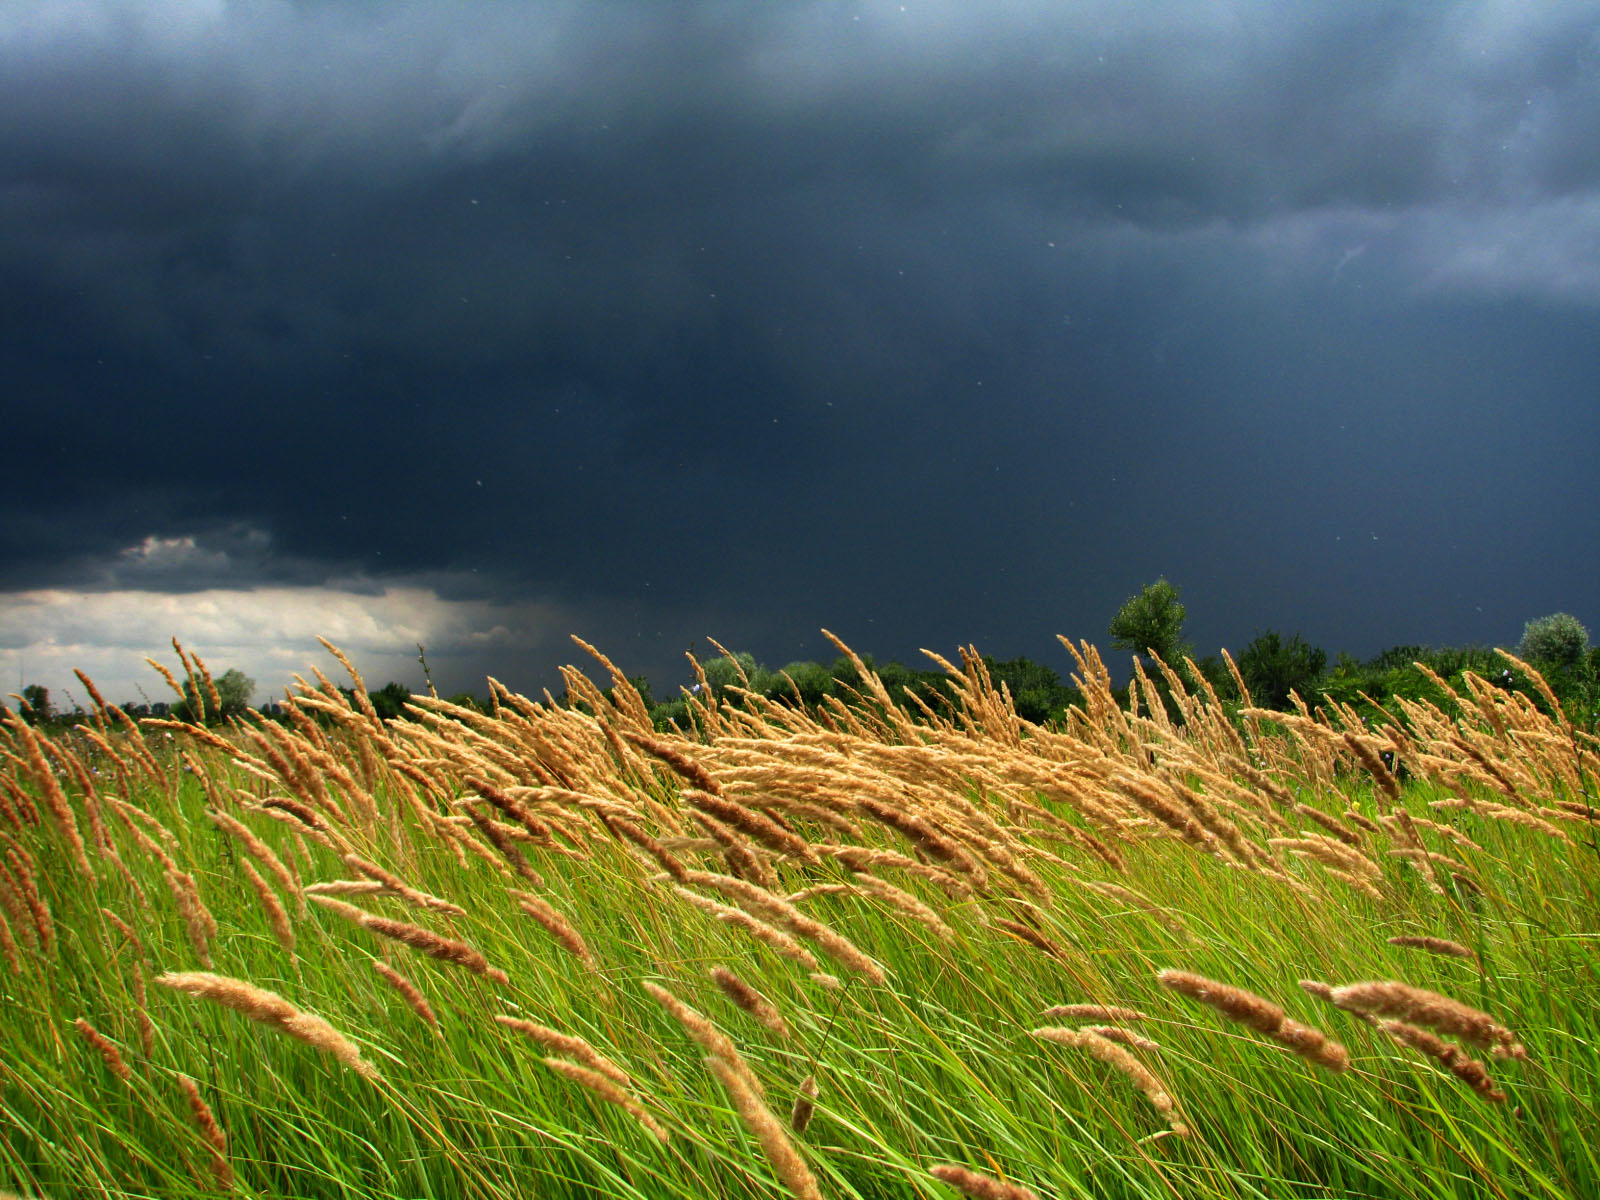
(927, 323)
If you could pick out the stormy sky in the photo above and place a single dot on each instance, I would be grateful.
(935, 322)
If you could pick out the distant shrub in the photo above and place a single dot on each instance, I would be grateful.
(1559, 638)
(1273, 666)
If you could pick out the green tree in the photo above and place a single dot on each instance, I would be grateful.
(234, 689)
(1559, 639)
(1273, 667)
(1152, 622)
(812, 680)
(37, 698)
(390, 700)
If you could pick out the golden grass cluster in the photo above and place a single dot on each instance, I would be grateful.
(962, 828)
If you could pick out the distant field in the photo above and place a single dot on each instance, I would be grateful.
(867, 951)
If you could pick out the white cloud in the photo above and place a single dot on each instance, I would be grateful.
(269, 633)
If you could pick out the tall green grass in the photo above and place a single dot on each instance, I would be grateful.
(936, 1065)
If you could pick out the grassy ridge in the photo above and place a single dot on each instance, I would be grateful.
(987, 869)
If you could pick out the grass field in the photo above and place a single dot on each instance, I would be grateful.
(870, 951)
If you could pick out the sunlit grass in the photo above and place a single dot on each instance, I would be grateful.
(935, 1065)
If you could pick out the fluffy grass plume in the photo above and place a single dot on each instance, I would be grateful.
(1261, 1015)
(979, 1186)
(270, 1009)
(896, 884)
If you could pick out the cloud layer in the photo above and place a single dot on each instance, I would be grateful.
(962, 320)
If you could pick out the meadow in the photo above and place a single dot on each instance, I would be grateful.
(1168, 949)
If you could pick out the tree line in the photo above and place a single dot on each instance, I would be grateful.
(1275, 668)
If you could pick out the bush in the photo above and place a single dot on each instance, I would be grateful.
(1558, 639)
(1152, 623)
(1273, 667)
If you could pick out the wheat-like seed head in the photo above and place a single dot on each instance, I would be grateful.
(1115, 1056)
(1435, 945)
(1418, 1006)
(790, 1168)
(106, 1048)
(1261, 1015)
(752, 1001)
(978, 1186)
(409, 992)
(206, 1121)
(269, 1008)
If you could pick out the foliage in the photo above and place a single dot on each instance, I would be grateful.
(390, 700)
(37, 699)
(1273, 667)
(1152, 622)
(1559, 640)
(233, 691)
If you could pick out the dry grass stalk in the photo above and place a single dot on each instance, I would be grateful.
(510, 805)
(271, 1009)
(1435, 945)
(1034, 938)
(779, 911)
(626, 829)
(23, 904)
(1093, 1012)
(1259, 1014)
(1386, 784)
(401, 888)
(55, 799)
(1128, 896)
(768, 935)
(862, 858)
(197, 919)
(1155, 801)
(106, 1048)
(1124, 1035)
(753, 823)
(1115, 1056)
(432, 944)
(556, 925)
(819, 889)
(1417, 1006)
(980, 1187)
(8, 947)
(1449, 832)
(147, 1027)
(743, 859)
(277, 917)
(790, 1168)
(608, 1091)
(905, 903)
(569, 1044)
(346, 887)
(1361, 819)
(752, 1001)
(501, 836)
(126, 931)
(924, 836)
(1468, 1070)
(206, 1122)
(805, 1105)
(409, 992)
(1328, 823)
(705, 1034)
(1501, 812)
(681, 763)
(260, 851)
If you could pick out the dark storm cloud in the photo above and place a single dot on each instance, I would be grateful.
(947, 319)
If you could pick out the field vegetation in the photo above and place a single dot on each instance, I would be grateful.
(888, 943)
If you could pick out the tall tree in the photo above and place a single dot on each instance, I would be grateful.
(1152, 622)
